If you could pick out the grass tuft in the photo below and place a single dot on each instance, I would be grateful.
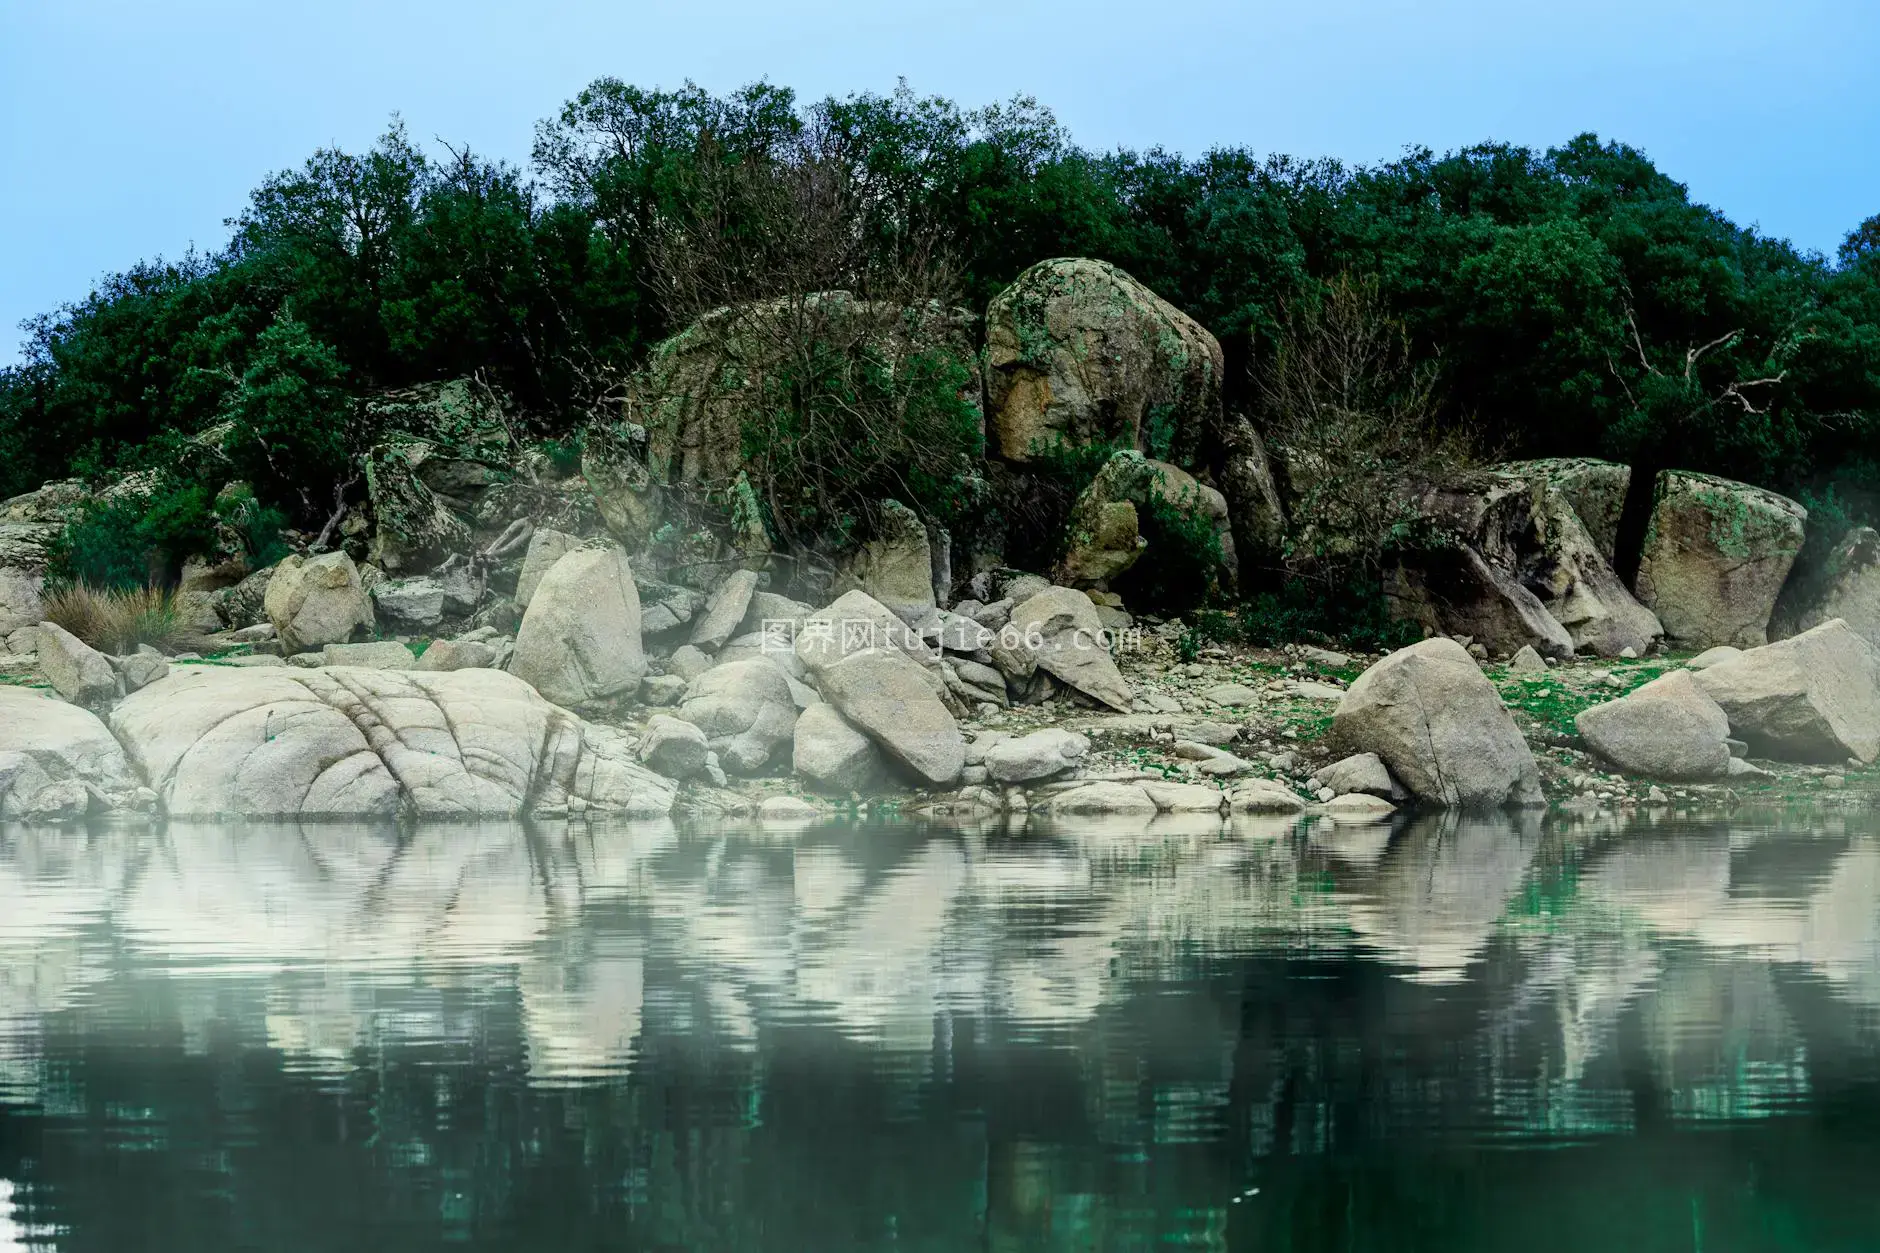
(117, 620)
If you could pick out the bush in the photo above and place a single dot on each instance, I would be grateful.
(1353, 613)
(257, 527)
(1181, 567)
(117, 619)
(129, 541)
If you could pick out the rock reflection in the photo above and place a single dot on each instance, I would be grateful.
(350, 937)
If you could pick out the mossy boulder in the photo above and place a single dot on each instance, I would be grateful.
(440, 447)
(1716, 556)
(1595, 489)
(1080, 353)
(1107, 520)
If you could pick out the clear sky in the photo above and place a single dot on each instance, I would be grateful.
(131, 129)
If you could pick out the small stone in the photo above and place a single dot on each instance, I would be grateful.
(1527, 661)
(1834, 780)
(1629, 653)
(1656, 796)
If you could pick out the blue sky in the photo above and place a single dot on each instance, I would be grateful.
(132, 129)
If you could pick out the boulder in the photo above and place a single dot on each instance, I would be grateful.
(856, 622)
(1716, 555)
(1079, 353)
(889, 697)
(1265, 796)
(832, 756)
(579, 643)
(1527, 661)
(408, 604)
(46, 744)
(1058, 631)
(376, 655)
(1109, 514)
(896, 566)
(687, 662)
(76, 670)
(674, 747)
(1516, 568)
(441, 447)
(1595, 490)
(316, 601)
(245, 604)
(27, 534)
(1100, 798)
(667, 607)
(1713, 657)
(1361, 772)
(140, 670)
(1184, 798)
(1667, 729)
(745, 710)
(1812, 697)
(1845, 586)
(1040, 755)
(699, 388)
(444, 655)
(1439, 725)
(362, 744)
(614, 468)
(724, 610)
(546, 547)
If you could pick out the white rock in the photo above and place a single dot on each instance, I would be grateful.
(1527, 661)
(725, 610)
(1812, 697)
(1440, 726)
(1713, 656)
(1185, 798)
(1361, 772)
(456, 655)
(579, 643)
(546, 547)
(377, 655)
(409, 604)
(1058, 631)
(1101, 798)
(76, 670)
(831, 755)
(674, 747)
(1265, 796)
(1667, 729)
(315, 601)
(1040, 755)
(745, 710)
(46, 742)
(888, 696)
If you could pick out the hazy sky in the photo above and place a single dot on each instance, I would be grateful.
(132, 129)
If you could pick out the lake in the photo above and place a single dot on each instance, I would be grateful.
(1611, 1033)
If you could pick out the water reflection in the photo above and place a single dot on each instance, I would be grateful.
(856, 1037)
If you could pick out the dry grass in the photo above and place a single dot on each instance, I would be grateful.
(114, 620)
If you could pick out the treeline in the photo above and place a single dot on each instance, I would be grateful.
(1573, 301)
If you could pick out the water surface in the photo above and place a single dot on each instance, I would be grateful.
(1458, 1035)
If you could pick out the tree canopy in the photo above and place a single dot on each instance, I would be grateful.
(1571, 301)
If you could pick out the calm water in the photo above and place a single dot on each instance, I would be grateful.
(1606, 1035)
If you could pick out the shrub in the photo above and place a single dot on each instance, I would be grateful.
(131, 540)
(257, 527)
(1354, 613)
(117, 619)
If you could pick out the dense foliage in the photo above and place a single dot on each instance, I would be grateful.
(1568, 301)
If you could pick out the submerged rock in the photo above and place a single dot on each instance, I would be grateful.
(1437, 722)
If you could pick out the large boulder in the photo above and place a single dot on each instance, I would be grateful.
(745, 710)
(1436, 721)
(316, 601)
(415, 604)
(1595, 490)
(1716, 556)
(674, 747)
(1245, 474)
(1058, 631)
(614, 468)
(1667, 729)
(1108, 516)
(1809, 698)
(1518, 568)
(546, 547)
(579, 642)
(856, 622)
(1846, 585)
(441, 447)
(698, 389)
(832, 756)
(76, 670)
(885, 694)
(896, 565)
(1080, 353)
(355, 744)
(45, 743)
